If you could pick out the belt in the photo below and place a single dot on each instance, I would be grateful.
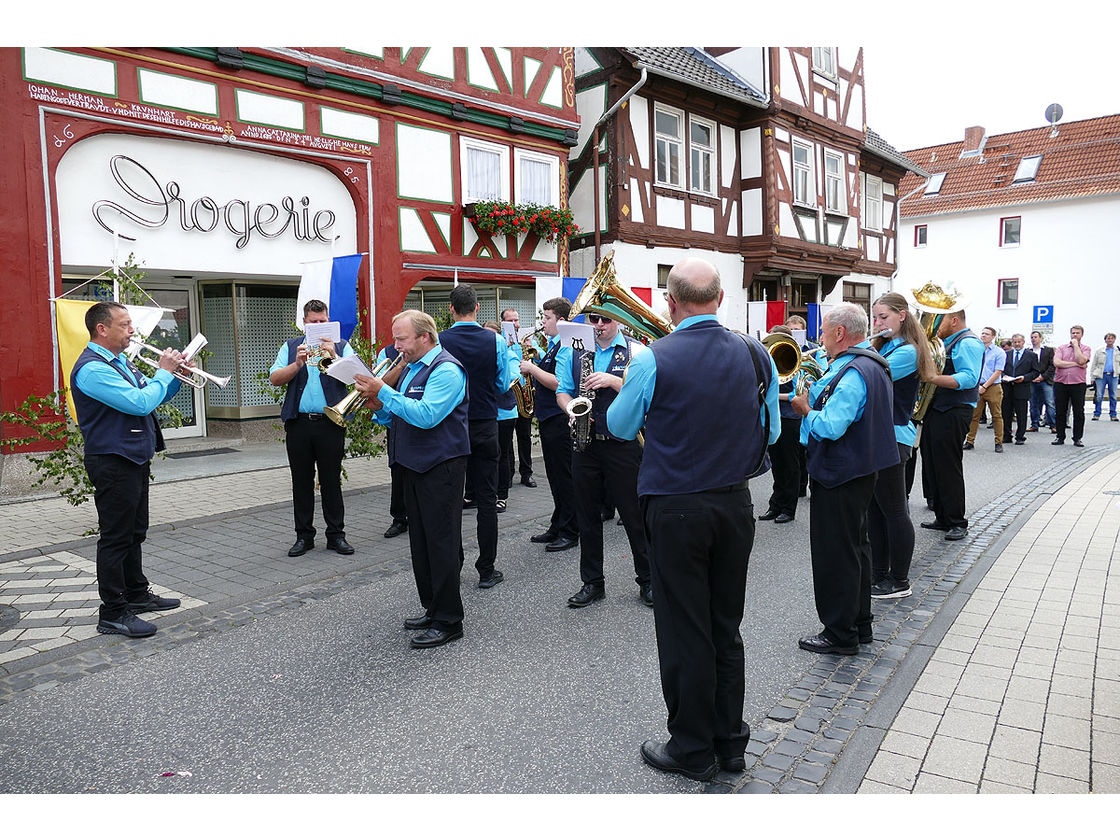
(731, 488)
(314, 415)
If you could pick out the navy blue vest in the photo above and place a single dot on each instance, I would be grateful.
(869, 443)
(947, 398)
(333, 390)
(476, 348)
(905, 394)
(703, 427)
(421, 449)
(784, 407)
(603, 396)
(110, 432)
(544, 399)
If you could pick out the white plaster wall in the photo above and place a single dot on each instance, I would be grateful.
(1066, 260)
(703, 218)
(749, 63)
(638, 106)
(670, 212)
(752, 212)
(589, 106)
(751, 160)
(580, 202)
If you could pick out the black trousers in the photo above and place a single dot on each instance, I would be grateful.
(482, 478)
(943, 457)
(888, 522)
(841, 558)
(1016, 408)
(316, 443)
(506, 456)
(434, 500)
(556, 447)
(525, 446)
(785, 465)
(615, 464)
(120, 494)
(1066, 396)
(700, 544)
(396, 488)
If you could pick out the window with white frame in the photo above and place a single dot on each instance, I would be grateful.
(933, 185)
(1027, 169)
(1009, 231)
(872, 202)
(1008, 293)
(920, 234)
(537, 177)
(834, 199)
(668, 132)
(804, 188)
(824, 60)
(485, 170)
(702, 147)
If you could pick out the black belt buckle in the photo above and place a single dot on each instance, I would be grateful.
(311, 415)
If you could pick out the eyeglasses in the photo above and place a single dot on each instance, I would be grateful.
(598, 319)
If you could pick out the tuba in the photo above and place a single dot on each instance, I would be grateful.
(602, 294)
(792, 364)
(932, 304)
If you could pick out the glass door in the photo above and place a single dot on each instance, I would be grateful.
(176, 329)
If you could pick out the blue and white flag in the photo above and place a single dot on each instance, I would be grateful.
(335, 282)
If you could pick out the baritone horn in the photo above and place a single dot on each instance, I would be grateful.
(602, 294)
(791, 363)
(188, 373)
(354, 399)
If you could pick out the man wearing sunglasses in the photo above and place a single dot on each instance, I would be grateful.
(608, 460)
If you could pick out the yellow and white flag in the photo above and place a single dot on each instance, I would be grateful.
(70, 325)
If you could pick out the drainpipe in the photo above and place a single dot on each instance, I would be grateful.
(595, 165)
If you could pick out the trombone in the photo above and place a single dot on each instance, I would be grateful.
(195, 377)
(354, 400)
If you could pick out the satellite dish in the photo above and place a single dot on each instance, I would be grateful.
(1053, 113)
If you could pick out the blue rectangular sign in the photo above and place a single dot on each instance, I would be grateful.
(1044, 314)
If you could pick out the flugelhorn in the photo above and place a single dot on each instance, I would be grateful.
(354, 400)
(195, 377)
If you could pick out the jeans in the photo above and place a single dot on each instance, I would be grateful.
(1042, 393)
(1107, 381)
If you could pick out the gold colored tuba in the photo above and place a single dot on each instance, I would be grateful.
(602, 294)
(932, 303)
(792, 364)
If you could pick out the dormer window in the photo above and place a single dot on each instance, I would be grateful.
(1028, 168)
(933, 185)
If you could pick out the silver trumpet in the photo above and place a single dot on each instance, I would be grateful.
(195, 377)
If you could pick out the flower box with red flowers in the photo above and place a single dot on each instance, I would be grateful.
(501, 217)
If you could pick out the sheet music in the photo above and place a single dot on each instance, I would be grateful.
(581, 332)
(509, 332)
(343, 369)
(316, 332)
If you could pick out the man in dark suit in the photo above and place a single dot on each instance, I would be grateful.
(1022, 367)
(1042, 388)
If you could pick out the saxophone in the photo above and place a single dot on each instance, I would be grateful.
(524, 394)
(579, 409)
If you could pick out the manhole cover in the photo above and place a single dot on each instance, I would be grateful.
(200, 452)
(8, 617)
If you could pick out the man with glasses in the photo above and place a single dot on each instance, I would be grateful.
(608, 460)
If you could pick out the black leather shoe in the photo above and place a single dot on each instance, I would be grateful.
(420, 622)
(469, 503)
(546, 537)
(432, 637)
(396, 529)
(968, 446)
(957, 533)
(735, 764)
(657, 756)
(150, 602)
(1078, 443)
(1020, 442)
(935, 526)
(340, 545)
(770, 514)
(562, 544)
(127, 625)
(300, 547)
(782, 519)
(495, 578)
(589, 593)
(820, 644)
(999, 447)
(529, 481)
(645, 593)
(606, 514)
(1058, 442)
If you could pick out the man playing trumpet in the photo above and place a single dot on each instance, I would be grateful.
(312, 440)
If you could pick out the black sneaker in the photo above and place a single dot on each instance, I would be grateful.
(150, 602)
(891, 589)
(127, 625)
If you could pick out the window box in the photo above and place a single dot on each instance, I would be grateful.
(501, 217)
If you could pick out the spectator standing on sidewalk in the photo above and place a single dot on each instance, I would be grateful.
(1042, 388)
(1103, 374)
(991, 393)
(1020, 371)
(1072, 362)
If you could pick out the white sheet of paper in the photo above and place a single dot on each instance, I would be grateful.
(317, 332)
(582, 332)
(344, 368)
(509, 332)
(524, 331)
(1007, 378)
(197, 343)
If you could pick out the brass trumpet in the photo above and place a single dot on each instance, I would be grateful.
(195, 377)
(354, 400)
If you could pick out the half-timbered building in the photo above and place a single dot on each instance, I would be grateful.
(757, 158)
(226, 170)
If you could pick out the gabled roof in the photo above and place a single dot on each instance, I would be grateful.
(693, 66)
(1082, 160)
(876, 145)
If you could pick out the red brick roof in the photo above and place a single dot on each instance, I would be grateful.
(1083, 160)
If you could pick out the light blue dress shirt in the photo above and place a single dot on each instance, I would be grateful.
(903, 359)
(967, 356)
(994, 359)
(445, 389)
(501, 381)
(513, 373)
(627, 414)
(109, 387)
(312, 400)
(565, 378)
(844, 406)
